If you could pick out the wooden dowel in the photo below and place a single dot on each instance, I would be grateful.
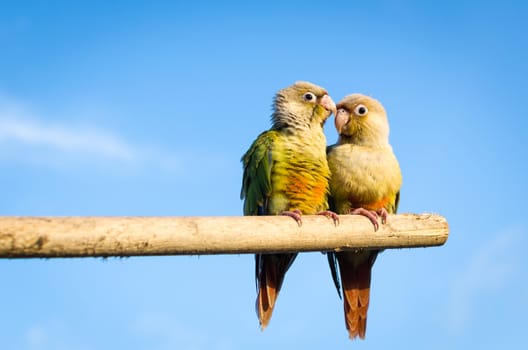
(50, 237)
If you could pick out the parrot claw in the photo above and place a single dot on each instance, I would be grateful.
(369, 214)
(295, 214)
(330, 214)
(383, 214)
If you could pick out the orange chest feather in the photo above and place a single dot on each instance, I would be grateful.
(386, 203)
(302, 190)
(306, 187)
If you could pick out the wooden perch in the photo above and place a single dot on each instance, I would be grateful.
(51, 237)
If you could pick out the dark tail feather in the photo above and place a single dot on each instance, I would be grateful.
(355, 269)
(270, 270)
(332, 262)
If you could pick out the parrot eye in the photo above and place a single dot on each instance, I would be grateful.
(361, 110)
(309, 96)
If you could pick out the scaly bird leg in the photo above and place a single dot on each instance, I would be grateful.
(330, 214)
(295, 214)
(369, 214)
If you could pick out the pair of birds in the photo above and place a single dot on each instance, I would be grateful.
(289, 170)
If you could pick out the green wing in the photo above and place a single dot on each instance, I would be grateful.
(256, 181)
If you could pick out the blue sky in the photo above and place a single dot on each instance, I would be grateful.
(143, 108)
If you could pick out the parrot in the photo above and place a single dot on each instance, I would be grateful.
(285, 172)
(365, 180)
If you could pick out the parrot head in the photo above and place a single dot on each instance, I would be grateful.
(301, 106)
(361, 119)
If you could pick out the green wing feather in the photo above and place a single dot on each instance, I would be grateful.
(256, 181)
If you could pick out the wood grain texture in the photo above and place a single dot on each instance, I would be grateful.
(50, 237)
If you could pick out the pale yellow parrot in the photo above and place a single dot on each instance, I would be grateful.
(365, 180)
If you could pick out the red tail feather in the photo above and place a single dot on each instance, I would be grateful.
(355, 270)
(270, 272)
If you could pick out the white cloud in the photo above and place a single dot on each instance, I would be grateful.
(27, 137)
(64, 138)
(488, 271)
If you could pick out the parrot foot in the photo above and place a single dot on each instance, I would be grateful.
(330, 214)
(369, 214)
(295, 214)
(383, 214)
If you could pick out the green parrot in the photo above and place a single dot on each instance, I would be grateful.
(366, 180)
(286, 173)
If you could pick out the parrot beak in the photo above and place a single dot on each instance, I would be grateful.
(328, 104)
(340, 120)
